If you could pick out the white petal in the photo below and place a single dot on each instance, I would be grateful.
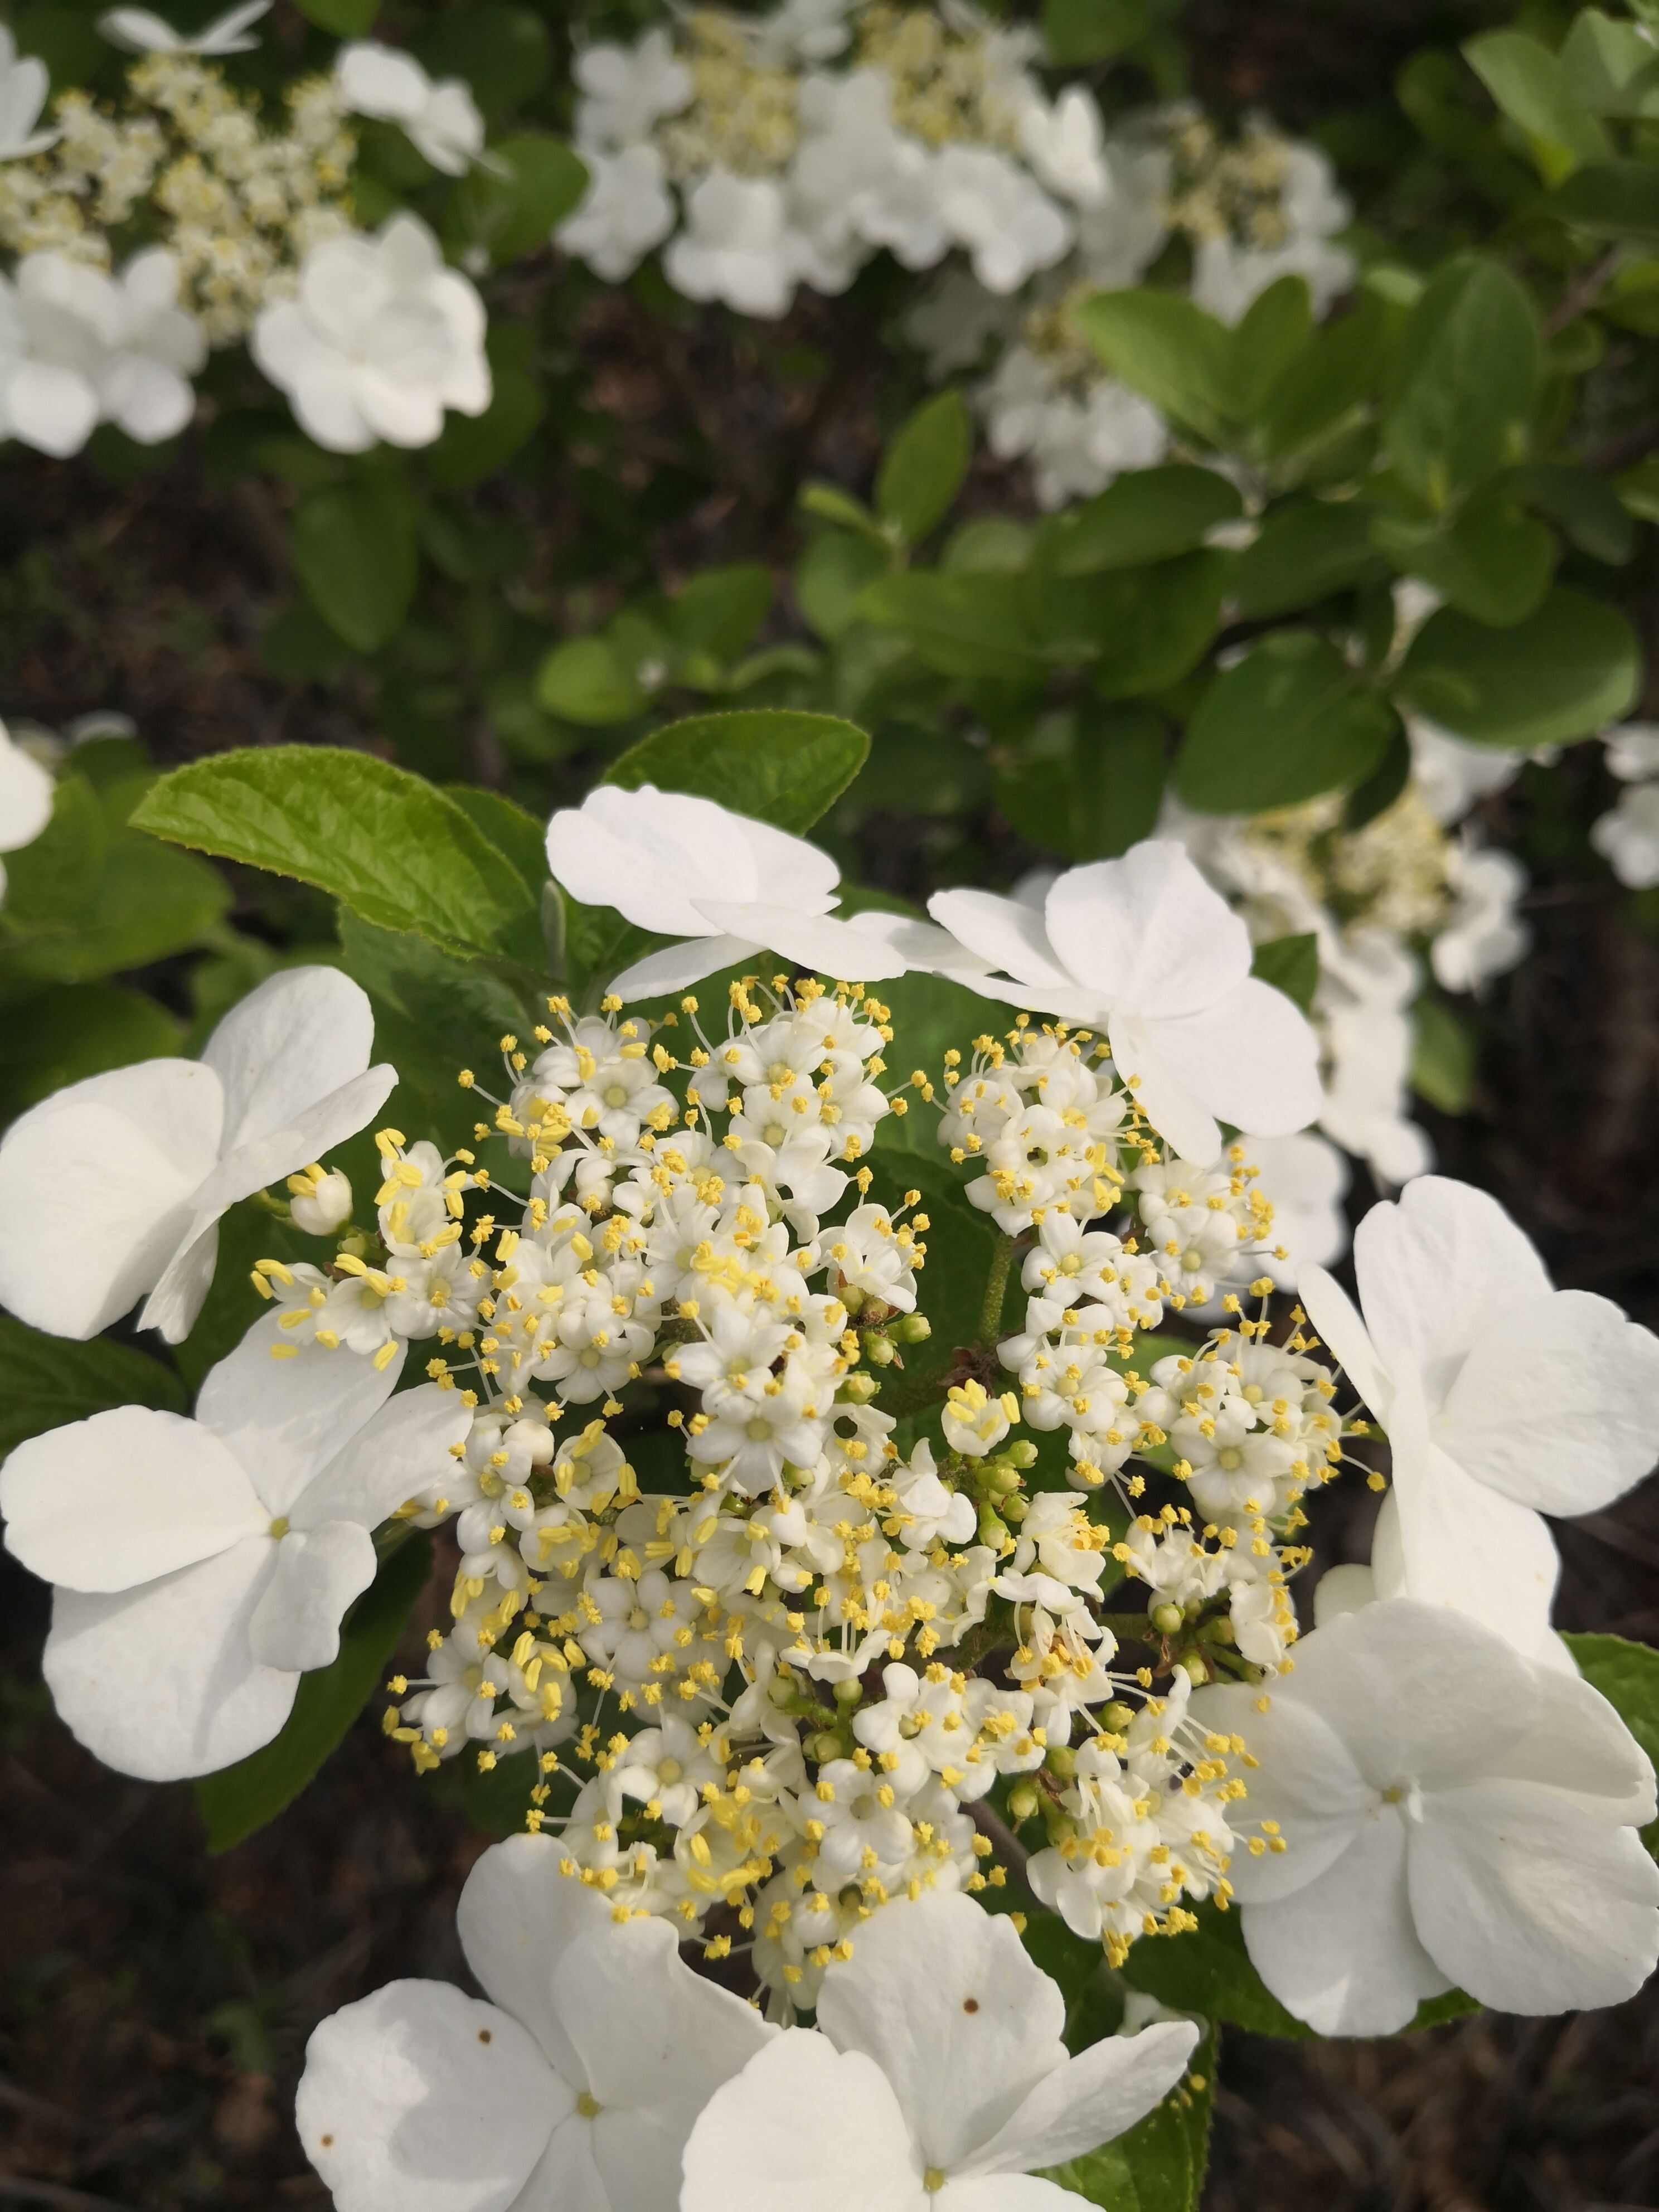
(789, 871)
(1252, 1057)
(420, 2099)
(1342, 1954)
(1343, 1590)
(807, 2128)
(286, 1418)
(122, 1498)
(184, 1283)
(651, 885)
(566, 2178)
(148, 399)
(1090, 2099)
(287, 346)
(159, 1681)
(1346, 1337)
(54, 409)
(923, 946)
(1430, 1266)
(1005, 2192)
(26, 791)
(302, 1034)
(1531, 1904)
(1306, 1781)
(517, 1917)
(820, 942)
(327, 408)
(297, 1623)
(1147, 932)
(1007, 933)
(1557, 1405)
(946, 1999)
(1175, 1110)
(377, 80)
(138, 28)
(1578, 1743)
(404, 1448)
(678, 966)
(94, 1189)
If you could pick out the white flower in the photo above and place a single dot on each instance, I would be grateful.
(1008, 223)
(202, 1565)
(1450, 1816)
(738, 246)
(320, 1202)
(1627, 838)
(113, 1186)
(626, 91)
(1145, 947)
(78, 348)
(1065, 145)
(1503, 1398)
(1480, 938)
(1631, 751)
(1367, 983)
(26, 791)
(801, 31)
(24, 83)
(973, 1422)
(936, 2074)
(381, 338)
(143, 33)
(626, 211)
(441, 120)
(576, 2083)
(1307, 1179)
(1451, 776)
(729, 885)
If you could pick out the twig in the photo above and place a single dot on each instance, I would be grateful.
(1584, 291)
(1005, 1842)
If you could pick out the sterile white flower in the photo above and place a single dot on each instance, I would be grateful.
(575, 2081)
(1448, 1815)
(24, 83)
(1482, 936)
(79, 347)
(727, 884)
(1145, 948)
(738, 246)
(1007, 222)
(1631, 751)
(27, 792)
(802, 31)
(202, 1565)
(380, 340)
(440, 120)
(1452, 775)
(113, 1186)
(627, 89)
(626, 211)
(1307, 1179)
(1502, 1399)
(935, 2082)
(1627, 837)
(145, 33)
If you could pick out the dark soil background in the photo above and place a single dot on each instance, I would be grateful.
(155, 2003)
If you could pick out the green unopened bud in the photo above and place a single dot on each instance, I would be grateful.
(1015, 1510)
(1117, 1717)
(858, 1390)
(1023, 1800)
(1062, 1761)
(849, 1693)
(1195, 1666)
(1218, 1631)
(1166, 1618)
(878, 1350)
(825, 1745)
(913, 1329)
(1022, 1453)
(854, 1302)
(356, 1247)
(1002, 1481)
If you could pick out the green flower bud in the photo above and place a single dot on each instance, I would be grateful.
(913, 1329)
(1167, 1619)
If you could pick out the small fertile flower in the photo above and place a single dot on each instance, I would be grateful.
(201, 1566)
(935, 2077)
(26, 800)
(1503, 1398)
(24, 83)
(113, 1188)
(440, 120)
(1436, 1812)
(730, 886)
(1144, 947)
(79, 347)
(380, 340)
(143, 32)
(576, 2081)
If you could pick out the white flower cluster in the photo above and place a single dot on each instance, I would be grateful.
(1627, 836)
(789, 148)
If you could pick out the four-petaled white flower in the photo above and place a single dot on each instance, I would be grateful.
(440, 120)
(113, 1186)
(738, 246)
(26, 791)
(24, 83)
(79, 347)
(626, 211)
(1143, 948)
(572, 2089)
(202, 1566)
(1502, 1399)
(145, 33)
(935, 2082)
(1627, 836)
(381, 339)
(1451, 1815)
(729, 885)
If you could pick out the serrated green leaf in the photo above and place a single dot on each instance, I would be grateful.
(779, 766)
(1090, 784)
(831, 573)
(507, 826)
(720, 610)
(1290, 964)
(239, 1800)
(1289, 722)
(1610, 67)
(1493, 561)
(1569, 670)
(924, 467)
(1273, 332)
(53, 1379)
(586, 680)
(389, 845)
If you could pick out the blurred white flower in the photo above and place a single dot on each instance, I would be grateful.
(382, 338)
(140, 32)
(1307, 1179)
(1452, 776)
(1065, 145)
(627, 89)
(1481, 937)
(1627, 838)
(1632, 750)
(738, 246)
(1007, 222)
(626, 211)
(26, 798)
(24, 83)
(440, 120)
(78, 348)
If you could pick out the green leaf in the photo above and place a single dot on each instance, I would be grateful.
(387, 844)
(356, 553)
(1611, 199)
(1164, 347)
(434, 1015)
(1289, 722)
(1158, 2166)
(962, 624)
(1305, 551)
(779, 766)
(1326, 391)
(1078, 32)
(508, 827)
(474, 447)
(513, 214)
(1379, 789)
(53, 1379)
(1207, 1971)
(1290, 964)
(1627, 1675)
(1610, 67)
(720, 609)
(1091, 784)
(346, 19)
(1584, 504)
(1530, 85)
(74, 1030)
(925, 467)
(505, 53)
(588, 680)
(1149, 514)
(1468, 372)
(831, 573)
(242, 1799)
(1267, 343)
(1443, 1056)
(1493, 561)
(1156, 625)
(1569, 670)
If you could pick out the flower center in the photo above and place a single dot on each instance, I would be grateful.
(669, 1770)
(1232, 1459)
(279, 1528)
(615, 1096)
(589, 2106)
(933, 2181)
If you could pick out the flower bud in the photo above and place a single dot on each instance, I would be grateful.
(913, 1329)
(849, 1692)
(1021, 1453)
(1166, 1618)
(1062, 1761)
(825, 1745)
(877, 1349)
(1117, 1717)
(858, 1390)
(1023, 1800)
(1195, 1667)
(320, 1200)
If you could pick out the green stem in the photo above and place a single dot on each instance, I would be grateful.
(996, 1289)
